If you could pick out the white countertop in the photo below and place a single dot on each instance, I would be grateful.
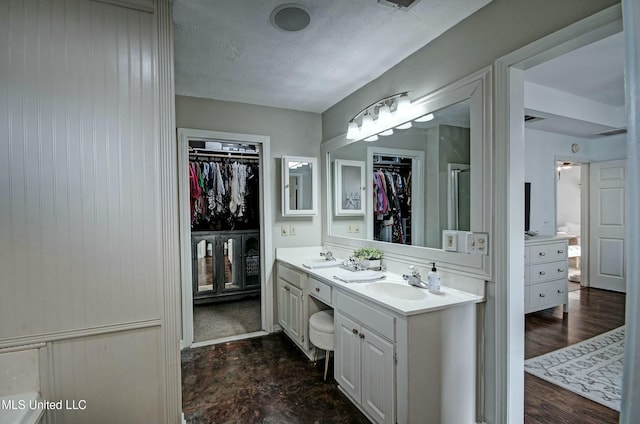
(424, 302)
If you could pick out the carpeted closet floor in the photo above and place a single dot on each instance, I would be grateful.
(216, 320)
(261, 380)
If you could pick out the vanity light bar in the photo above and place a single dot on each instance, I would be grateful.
(378, 116)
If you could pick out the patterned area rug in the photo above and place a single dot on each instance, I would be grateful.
(592, 368)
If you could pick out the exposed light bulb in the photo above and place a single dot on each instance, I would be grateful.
(372, 138)
(404, 126)
(425, 118)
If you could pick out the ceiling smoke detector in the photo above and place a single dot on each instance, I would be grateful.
(290, 17)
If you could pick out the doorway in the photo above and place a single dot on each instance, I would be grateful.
(224, 241)
(569, 215)
(511, 150)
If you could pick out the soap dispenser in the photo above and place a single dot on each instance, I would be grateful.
(433, 279)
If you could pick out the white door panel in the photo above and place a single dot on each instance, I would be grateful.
(608, 225)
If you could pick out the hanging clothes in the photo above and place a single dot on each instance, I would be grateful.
(391, 198)
(224, 194)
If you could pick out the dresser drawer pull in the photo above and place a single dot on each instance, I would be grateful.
(560, 291)
(543, 295)
(541, 253)
(542, 273)
(318, 289)
(560, 251)
(362, 336)
(355, 331)
(560, 269)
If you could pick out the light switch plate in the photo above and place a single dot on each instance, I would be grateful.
(292, 230)
(477, 243)
(284, 231)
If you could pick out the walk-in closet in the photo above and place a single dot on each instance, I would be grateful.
(224, 200)
(392, 198)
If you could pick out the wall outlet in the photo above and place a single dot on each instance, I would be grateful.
(292, 230)
(350, 228)
(284, 231)
(450, 241)
(356, 228)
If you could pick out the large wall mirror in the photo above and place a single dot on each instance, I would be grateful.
(431, 174)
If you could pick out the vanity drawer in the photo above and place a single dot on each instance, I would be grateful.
(367, 315)
(320, 290)
(548, 271)
(551, 293)
(291, 276)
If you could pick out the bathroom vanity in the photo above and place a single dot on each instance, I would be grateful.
(402, 354)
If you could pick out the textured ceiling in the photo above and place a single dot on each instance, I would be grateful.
(228, 50)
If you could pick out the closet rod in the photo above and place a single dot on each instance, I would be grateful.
(224, 156)
(391, 165)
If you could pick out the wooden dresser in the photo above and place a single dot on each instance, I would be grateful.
(545, 273)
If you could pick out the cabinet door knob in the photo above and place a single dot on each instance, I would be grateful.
(542, 273)
(317, 289)
(355, 331)
(541, 254)
(361, 336)
(543, 295)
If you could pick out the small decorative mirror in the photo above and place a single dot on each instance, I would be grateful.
(350, 188)
(299, 186)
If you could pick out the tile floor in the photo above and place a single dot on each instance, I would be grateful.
(261, 380)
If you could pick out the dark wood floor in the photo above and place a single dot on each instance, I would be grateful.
(591, 312)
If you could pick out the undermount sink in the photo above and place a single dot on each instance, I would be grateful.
(397, 291)
(316, 263)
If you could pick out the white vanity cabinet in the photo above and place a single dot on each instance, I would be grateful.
(546, 273)
(291, 286)
(294, 305)
(398, 361)
(365, 359)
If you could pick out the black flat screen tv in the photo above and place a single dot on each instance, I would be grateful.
(527, 206)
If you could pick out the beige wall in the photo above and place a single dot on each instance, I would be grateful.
(292, 133)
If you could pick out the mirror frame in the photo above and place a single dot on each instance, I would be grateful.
(286, 207)
(477, 89)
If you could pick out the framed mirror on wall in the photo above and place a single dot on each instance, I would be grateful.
(299, 186)
(429, 173)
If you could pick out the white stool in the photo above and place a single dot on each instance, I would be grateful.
(321, 334)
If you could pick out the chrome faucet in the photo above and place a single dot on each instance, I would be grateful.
(328, 255)
(414, 278)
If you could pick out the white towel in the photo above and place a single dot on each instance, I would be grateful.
(359, 276)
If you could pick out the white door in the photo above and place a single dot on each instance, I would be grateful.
(347, 356)
(378, 377)
(607, 225)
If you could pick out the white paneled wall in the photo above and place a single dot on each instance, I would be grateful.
(79, 214)
(81, 206)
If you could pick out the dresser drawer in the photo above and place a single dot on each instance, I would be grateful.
(320, 290)
(557, 252)
(551, 293)
(367, 315)
(290, 275)
(538, 253)
(547, 271)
